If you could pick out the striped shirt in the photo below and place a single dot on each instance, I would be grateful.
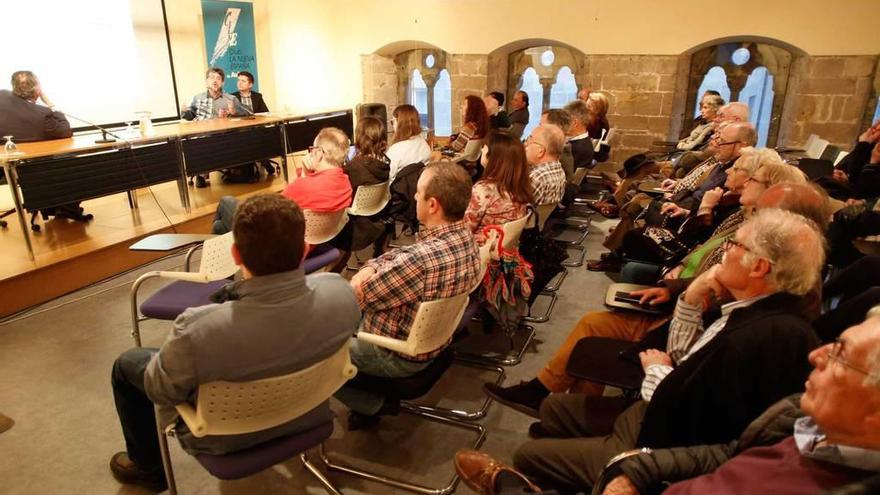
(695, 177)
(444, 262)
(548, 183)
(687, 336)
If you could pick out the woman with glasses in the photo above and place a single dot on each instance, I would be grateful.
(504, 191)
(407, 146)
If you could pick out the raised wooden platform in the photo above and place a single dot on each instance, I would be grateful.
(71, 255)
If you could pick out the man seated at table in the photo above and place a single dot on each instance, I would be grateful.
(252, 102)
(276, 321)
(832, 442)
(323, 187)
(444, 262)
(211, 104)
(543, 149)
(23, 119)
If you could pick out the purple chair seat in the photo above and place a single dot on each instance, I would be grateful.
(174, 298)
(319, 257)
(254, 459)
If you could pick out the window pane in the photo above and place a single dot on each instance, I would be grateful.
(715, 79)
(758, 95)
(532, 86)
(418, 96)
(876, 112)
(443, 105)
(564, 89)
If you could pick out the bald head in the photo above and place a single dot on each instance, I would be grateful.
(735, 111)
(803, 199)
(743, 132)
(552, 137)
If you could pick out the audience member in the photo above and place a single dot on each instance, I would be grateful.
(504, 191)
(278, 321)
(830, 442)
(584, 94)
(578, 136)
(543, 148)
(860, 169)
(22, 118)
(212, 103)
(498, 118)
(561, 119)
(737, 366)
(407, 146)
(519, 116)
(699, 119)
(598, 105)
(443, 262)
(323, 185)
(701, 133)
(475, 123)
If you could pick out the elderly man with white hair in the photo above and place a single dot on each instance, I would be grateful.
(715, 376)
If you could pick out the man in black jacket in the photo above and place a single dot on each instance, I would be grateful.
(253, 103)
(719, 376)
(23, 119)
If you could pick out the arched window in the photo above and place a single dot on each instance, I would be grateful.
(564, 89)
(443, 105)
(417, 96)
(753, 73)
(876, 113)
(532, 86)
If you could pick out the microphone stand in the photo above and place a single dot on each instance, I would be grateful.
(104, 132)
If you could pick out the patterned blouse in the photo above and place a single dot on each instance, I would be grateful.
(489, 207)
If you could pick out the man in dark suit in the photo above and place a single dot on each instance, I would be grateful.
(253, 102)
(23, 119)
(718, 375)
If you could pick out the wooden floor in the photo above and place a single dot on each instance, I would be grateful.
(70, 255)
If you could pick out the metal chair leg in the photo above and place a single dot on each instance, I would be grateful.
(426, 490)
(318, 474)
(556, 282)
(166, 457)
(511, 359)
(546, 316)
(579, 259)
(458, 413)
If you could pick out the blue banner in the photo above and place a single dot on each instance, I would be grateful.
(229, 39)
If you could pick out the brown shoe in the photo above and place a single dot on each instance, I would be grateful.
(479, 472)
(128, 473)
(5, 422)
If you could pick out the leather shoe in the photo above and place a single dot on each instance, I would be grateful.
(523, 397)
(604, 265)
(479, 472)
(128, 473)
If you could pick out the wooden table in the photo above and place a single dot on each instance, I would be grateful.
(51, 173)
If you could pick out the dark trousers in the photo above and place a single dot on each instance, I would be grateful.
(135, 410)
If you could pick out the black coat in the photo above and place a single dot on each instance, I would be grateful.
(256, 99)
(26, 121)
(757, 359)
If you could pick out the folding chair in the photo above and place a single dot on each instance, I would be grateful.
(235, 408)
(320, 228)
(434, 324)
(189, 289)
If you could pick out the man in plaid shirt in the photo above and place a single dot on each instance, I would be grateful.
(444, 262)
(543, 148)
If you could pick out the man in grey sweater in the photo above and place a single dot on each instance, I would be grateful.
(275, 321)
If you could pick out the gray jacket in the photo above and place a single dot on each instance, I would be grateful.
(278, 324)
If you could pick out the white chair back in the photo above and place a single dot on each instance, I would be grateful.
(323, 226)
(471, 152)
(544, 212)
(217, 262)
(485, 256)
(579, 175)
(810, 141)
(434, 324)
(369, 200)
(512, 231)
(234, 408)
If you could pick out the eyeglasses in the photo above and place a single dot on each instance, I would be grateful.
(730, 243)
(764, 183)
(720, 143)
(834, 354)
(532, 141)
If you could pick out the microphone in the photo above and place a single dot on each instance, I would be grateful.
(104, 132)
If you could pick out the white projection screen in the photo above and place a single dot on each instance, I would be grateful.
(99, 60)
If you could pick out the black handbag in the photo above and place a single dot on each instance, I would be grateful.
(545, 255)
(654, 244)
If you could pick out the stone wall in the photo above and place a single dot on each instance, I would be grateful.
(468, 75)
(828, 96)
(641, 90)
(380, 80)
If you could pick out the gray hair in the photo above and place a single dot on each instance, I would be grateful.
(553, 138)
(578, 110)
(714, 101)
(791, 243)
(559, 117)
(873, 378)
(751, 159)
(334, 144)
(25, 84)
(744, 132)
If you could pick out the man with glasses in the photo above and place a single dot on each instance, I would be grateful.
(714, 376)
(831, 442)
(543, 149)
